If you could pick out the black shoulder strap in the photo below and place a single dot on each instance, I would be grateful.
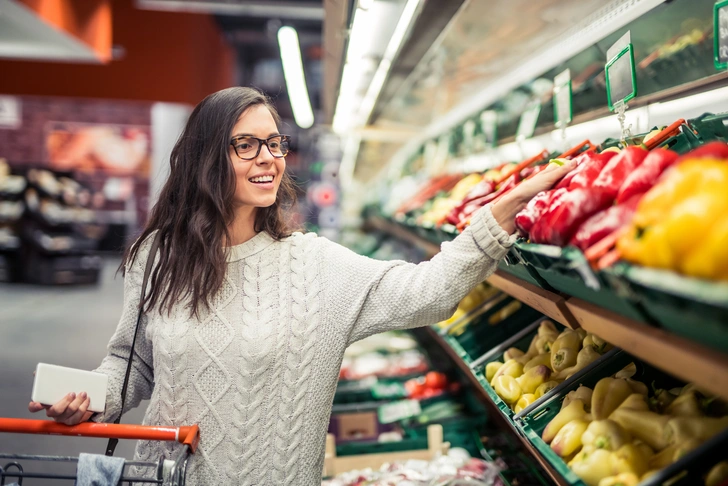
(111, 446)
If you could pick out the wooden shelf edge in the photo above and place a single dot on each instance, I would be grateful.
(548, 303)
(493, 409)
(678, 356)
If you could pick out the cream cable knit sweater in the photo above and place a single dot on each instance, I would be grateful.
(259, 369)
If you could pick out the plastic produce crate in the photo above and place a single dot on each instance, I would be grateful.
(514, 264)
(522, 340)
(567, 271)
(490, 328)
(532, 424)
(693, 308)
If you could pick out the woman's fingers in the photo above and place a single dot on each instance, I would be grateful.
(78, 417)
(59, 408)
(34, 407)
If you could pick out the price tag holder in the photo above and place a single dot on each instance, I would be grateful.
(468, 137)
(388, 390)
(563, 113)
(528, 121)
(720, 34)
(620, 72)
(399, 410)
(489, 127)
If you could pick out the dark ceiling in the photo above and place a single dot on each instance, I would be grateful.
(251, 27)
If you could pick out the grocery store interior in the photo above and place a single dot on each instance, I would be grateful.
(594, 354)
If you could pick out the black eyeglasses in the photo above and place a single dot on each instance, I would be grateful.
(248, 148)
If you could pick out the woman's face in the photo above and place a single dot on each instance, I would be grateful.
(257, 179)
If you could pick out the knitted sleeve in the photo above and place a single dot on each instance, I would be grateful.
(141, 380)
(366, 296)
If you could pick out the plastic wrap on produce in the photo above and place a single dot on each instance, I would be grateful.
(455, 469)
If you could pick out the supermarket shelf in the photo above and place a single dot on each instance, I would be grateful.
(548, 303)
(493, 410)
(680, 357)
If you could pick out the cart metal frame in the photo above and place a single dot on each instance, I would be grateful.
(168, 472)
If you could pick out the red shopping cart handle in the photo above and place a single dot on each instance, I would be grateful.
(186, 434)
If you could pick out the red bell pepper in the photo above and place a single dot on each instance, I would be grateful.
(538, 233)
(533, 211)
(645, 176)
(712, 150)
(580, 159)
(567, 212)
(604, 223)
(483, 188)
(472, 206)
(618, 168)
(590, 169)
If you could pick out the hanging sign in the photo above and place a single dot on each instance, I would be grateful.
(720, 34)
(562, 99)
(620, 72)
(528, 121)
(489, 127)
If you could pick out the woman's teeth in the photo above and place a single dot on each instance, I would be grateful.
(261, 179)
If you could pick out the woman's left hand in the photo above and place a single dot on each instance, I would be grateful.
(505, 210)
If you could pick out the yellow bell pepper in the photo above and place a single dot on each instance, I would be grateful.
(491, 369)
(679, 224)
(565, 350)
(541, 359)
(575, 411)
(507, 388)
(568, 439)
(630, 459)
(605, 434)
(545, 388)
(593, 466)
(609, 393)
(534, 378)
(525, 400)
(718, 474)
(624, 479)
(511, 368)
(708, 259)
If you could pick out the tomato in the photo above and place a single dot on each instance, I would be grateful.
(435, 380)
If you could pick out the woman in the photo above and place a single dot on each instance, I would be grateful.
(246, 324)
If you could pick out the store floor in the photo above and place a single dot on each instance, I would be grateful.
(64, 326)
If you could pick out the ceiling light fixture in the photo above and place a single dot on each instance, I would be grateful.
(295, 79)
(380, 76)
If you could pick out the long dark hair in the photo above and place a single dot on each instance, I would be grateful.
(195, 207)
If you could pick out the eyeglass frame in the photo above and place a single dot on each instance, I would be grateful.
(261, 142)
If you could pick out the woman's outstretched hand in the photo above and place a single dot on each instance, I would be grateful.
(69, 410)
(505, 210)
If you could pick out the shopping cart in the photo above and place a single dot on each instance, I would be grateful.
(168, 472)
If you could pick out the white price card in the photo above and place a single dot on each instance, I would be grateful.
(528, 121)
(562, 99)
(720, 34)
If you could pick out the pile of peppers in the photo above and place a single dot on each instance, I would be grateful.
(681, 223)
(621, 433)
(608, 191)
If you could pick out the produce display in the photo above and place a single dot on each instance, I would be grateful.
(681, 223)
(551, 358)
(621, 433)
(455, 469)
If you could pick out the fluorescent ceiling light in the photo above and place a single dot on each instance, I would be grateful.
(295, 80)
(395, 42)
